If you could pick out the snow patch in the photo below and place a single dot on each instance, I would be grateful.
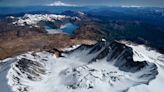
(71, 48)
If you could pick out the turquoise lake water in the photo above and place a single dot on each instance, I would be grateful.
(66, 28)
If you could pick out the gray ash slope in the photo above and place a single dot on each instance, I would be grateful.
(106, 67)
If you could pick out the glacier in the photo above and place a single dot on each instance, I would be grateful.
(107, 67)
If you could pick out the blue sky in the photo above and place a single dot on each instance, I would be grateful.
(159, 3)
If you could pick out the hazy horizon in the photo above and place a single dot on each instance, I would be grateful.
(142, 3)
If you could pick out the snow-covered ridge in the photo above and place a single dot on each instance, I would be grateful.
(103, 67)
(143, 53)
(33, 19)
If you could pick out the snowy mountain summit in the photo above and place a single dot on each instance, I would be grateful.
(103, 67)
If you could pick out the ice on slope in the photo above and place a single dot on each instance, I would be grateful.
(4, 67)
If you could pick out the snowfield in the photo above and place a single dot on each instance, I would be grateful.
(34, 19)
(103, 67)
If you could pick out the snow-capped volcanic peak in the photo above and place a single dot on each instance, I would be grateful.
(88, 68)
(60, 3)
(33, 19)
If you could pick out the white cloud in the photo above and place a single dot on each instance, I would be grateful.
(60, 3)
